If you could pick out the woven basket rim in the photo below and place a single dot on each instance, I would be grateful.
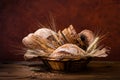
(66, 59)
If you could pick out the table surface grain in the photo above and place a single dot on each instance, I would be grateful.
(96, 70)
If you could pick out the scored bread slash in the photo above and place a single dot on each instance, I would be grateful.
(62, 37)
(65, 33)
(80, 42)
(73, 34)
(71, 37)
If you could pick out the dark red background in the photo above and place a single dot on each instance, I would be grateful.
(20, 17)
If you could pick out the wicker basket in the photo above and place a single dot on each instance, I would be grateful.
(66, 66)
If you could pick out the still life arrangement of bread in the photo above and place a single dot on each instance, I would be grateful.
(59, 50)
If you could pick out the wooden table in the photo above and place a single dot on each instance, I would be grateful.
(96, 70)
